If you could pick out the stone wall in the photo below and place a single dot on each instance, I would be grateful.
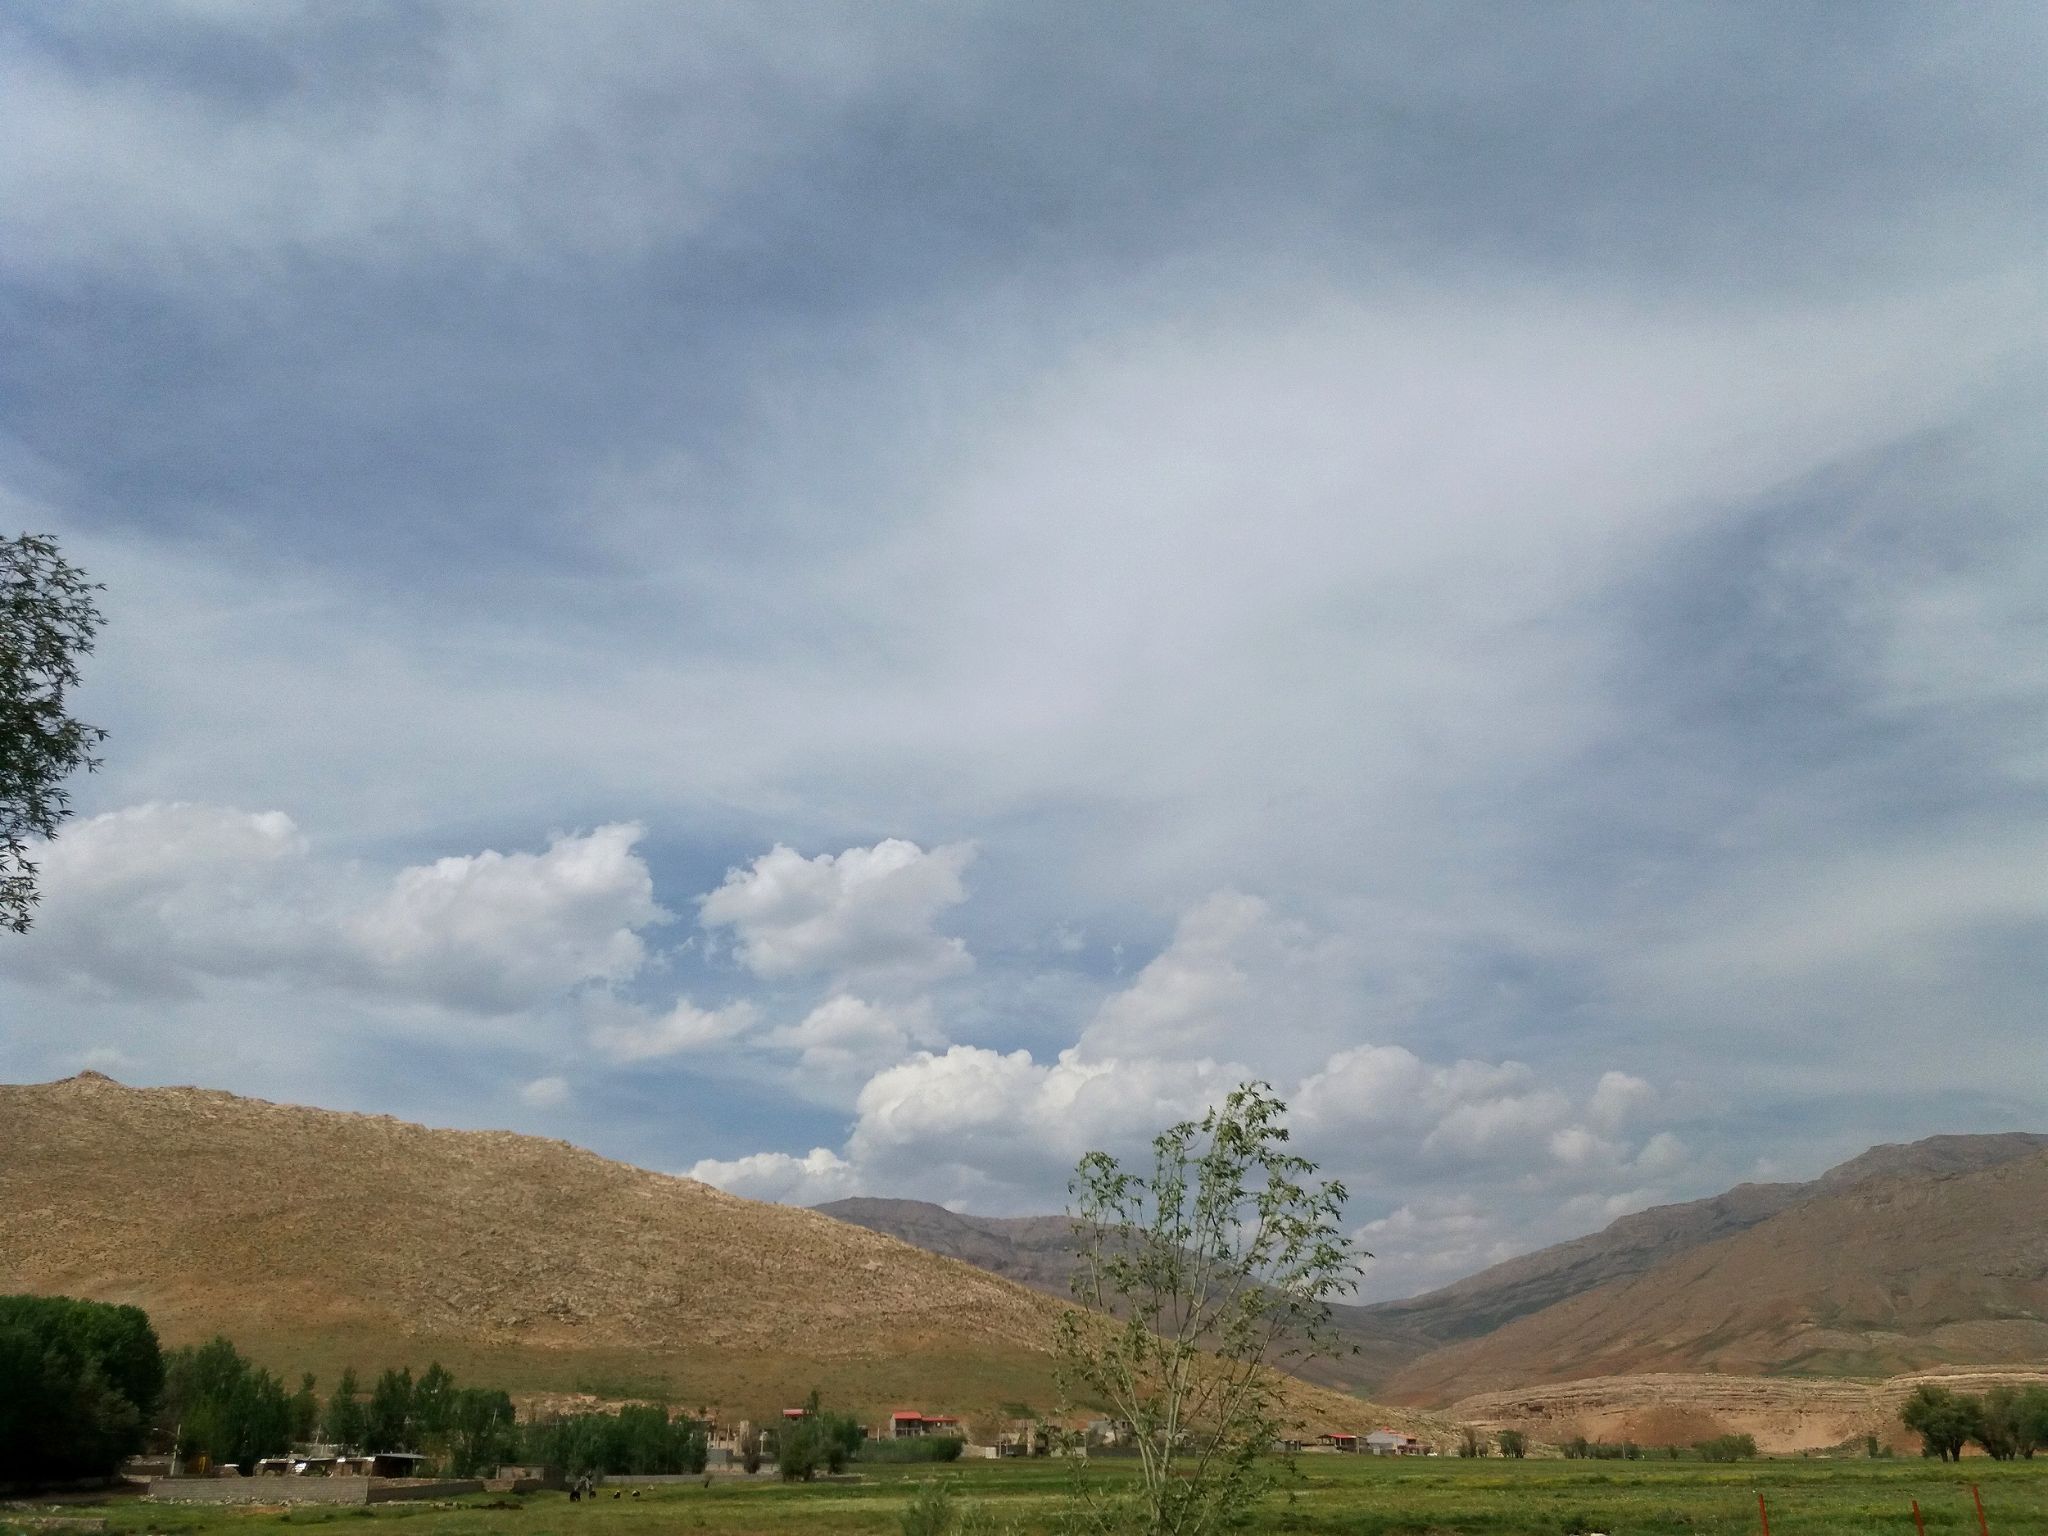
(261, 1490)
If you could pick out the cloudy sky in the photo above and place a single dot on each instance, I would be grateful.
(867, 598)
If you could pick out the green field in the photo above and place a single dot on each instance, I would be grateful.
(1331, 1494)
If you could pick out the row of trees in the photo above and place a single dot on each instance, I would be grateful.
(640, 1439)
(79, 1381)
(2006, 1423)
(1513, 1443)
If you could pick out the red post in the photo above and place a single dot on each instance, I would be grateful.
(1762, 1513)
(1918, 1523)
(1982, 1524)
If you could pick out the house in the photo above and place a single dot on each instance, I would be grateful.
(1391, 1442)
(910, 1424)
(1337, 1441)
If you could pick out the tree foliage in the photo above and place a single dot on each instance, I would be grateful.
(78, 1383)
(345, 1423)
(220, 1406)
(1202, 1276)
(47, 622)
(818, 1442)
(2008, 1423)
(1513, 1444)
(639, 1438)
(1943, 1420)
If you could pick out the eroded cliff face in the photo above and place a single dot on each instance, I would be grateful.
(1785, 1414)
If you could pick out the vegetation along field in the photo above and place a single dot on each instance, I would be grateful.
(1355, 1495)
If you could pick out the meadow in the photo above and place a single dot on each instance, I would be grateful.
(1354, 1496)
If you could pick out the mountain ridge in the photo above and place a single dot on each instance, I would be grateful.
(320, 1238)
(1390, 1337)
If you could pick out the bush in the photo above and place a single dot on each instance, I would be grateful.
(1513, 1444)
(930, 1511)
(1727, 1448)
(924, 1448)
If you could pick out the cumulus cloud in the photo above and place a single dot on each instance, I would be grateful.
(625, 1033)
(156, 899)
(865, 916)
(819, 1175)
(498, 929)
(849, 1037)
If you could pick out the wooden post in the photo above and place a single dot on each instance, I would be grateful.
(1762, 1513)
(1918, 1524)
(1982, 1524)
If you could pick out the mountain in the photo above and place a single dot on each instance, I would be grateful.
(1396, 1341)
(1887, 1274)
(316, 1239)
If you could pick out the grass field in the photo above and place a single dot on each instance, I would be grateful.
(1355, 1496)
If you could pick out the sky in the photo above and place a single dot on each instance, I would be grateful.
(855, 599)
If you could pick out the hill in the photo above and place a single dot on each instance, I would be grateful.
(316, 1239)
(1888, 1274)
(1409, 1346)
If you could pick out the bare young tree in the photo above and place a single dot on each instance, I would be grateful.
(1203, 1279)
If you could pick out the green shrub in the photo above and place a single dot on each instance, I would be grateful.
(922, 1449)
(930, 1511)
(1727, 1448)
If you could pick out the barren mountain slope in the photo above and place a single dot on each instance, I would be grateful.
(1388, 1336)
(314, 1239)
(1891, 1274)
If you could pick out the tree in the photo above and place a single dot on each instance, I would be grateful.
(2032, 1415)
(1513, 1444)
(1943, 1420)
(78, 1382)
(345, 1423)
(1470, 1443)
(750, 1450)
(481, 1431)
(1203, 1276)
(223, 1408)
(47, 622)
(305, 1409)
(819, 1441)
(388, 1421)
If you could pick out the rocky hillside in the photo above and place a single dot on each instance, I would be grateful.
(1888, 1274)
(316, 1239)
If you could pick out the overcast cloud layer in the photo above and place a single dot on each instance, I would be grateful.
(857, 599)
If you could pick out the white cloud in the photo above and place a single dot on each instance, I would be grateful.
(497, 929)
(158, 899)
(848, 1037)
(1428, 1242)
(1234, 967)
(1618, 1099)
(816, 1177)
(545, 1092)
(864, 916)
(626, 1033)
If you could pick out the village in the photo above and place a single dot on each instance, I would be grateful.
(316, 1472)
